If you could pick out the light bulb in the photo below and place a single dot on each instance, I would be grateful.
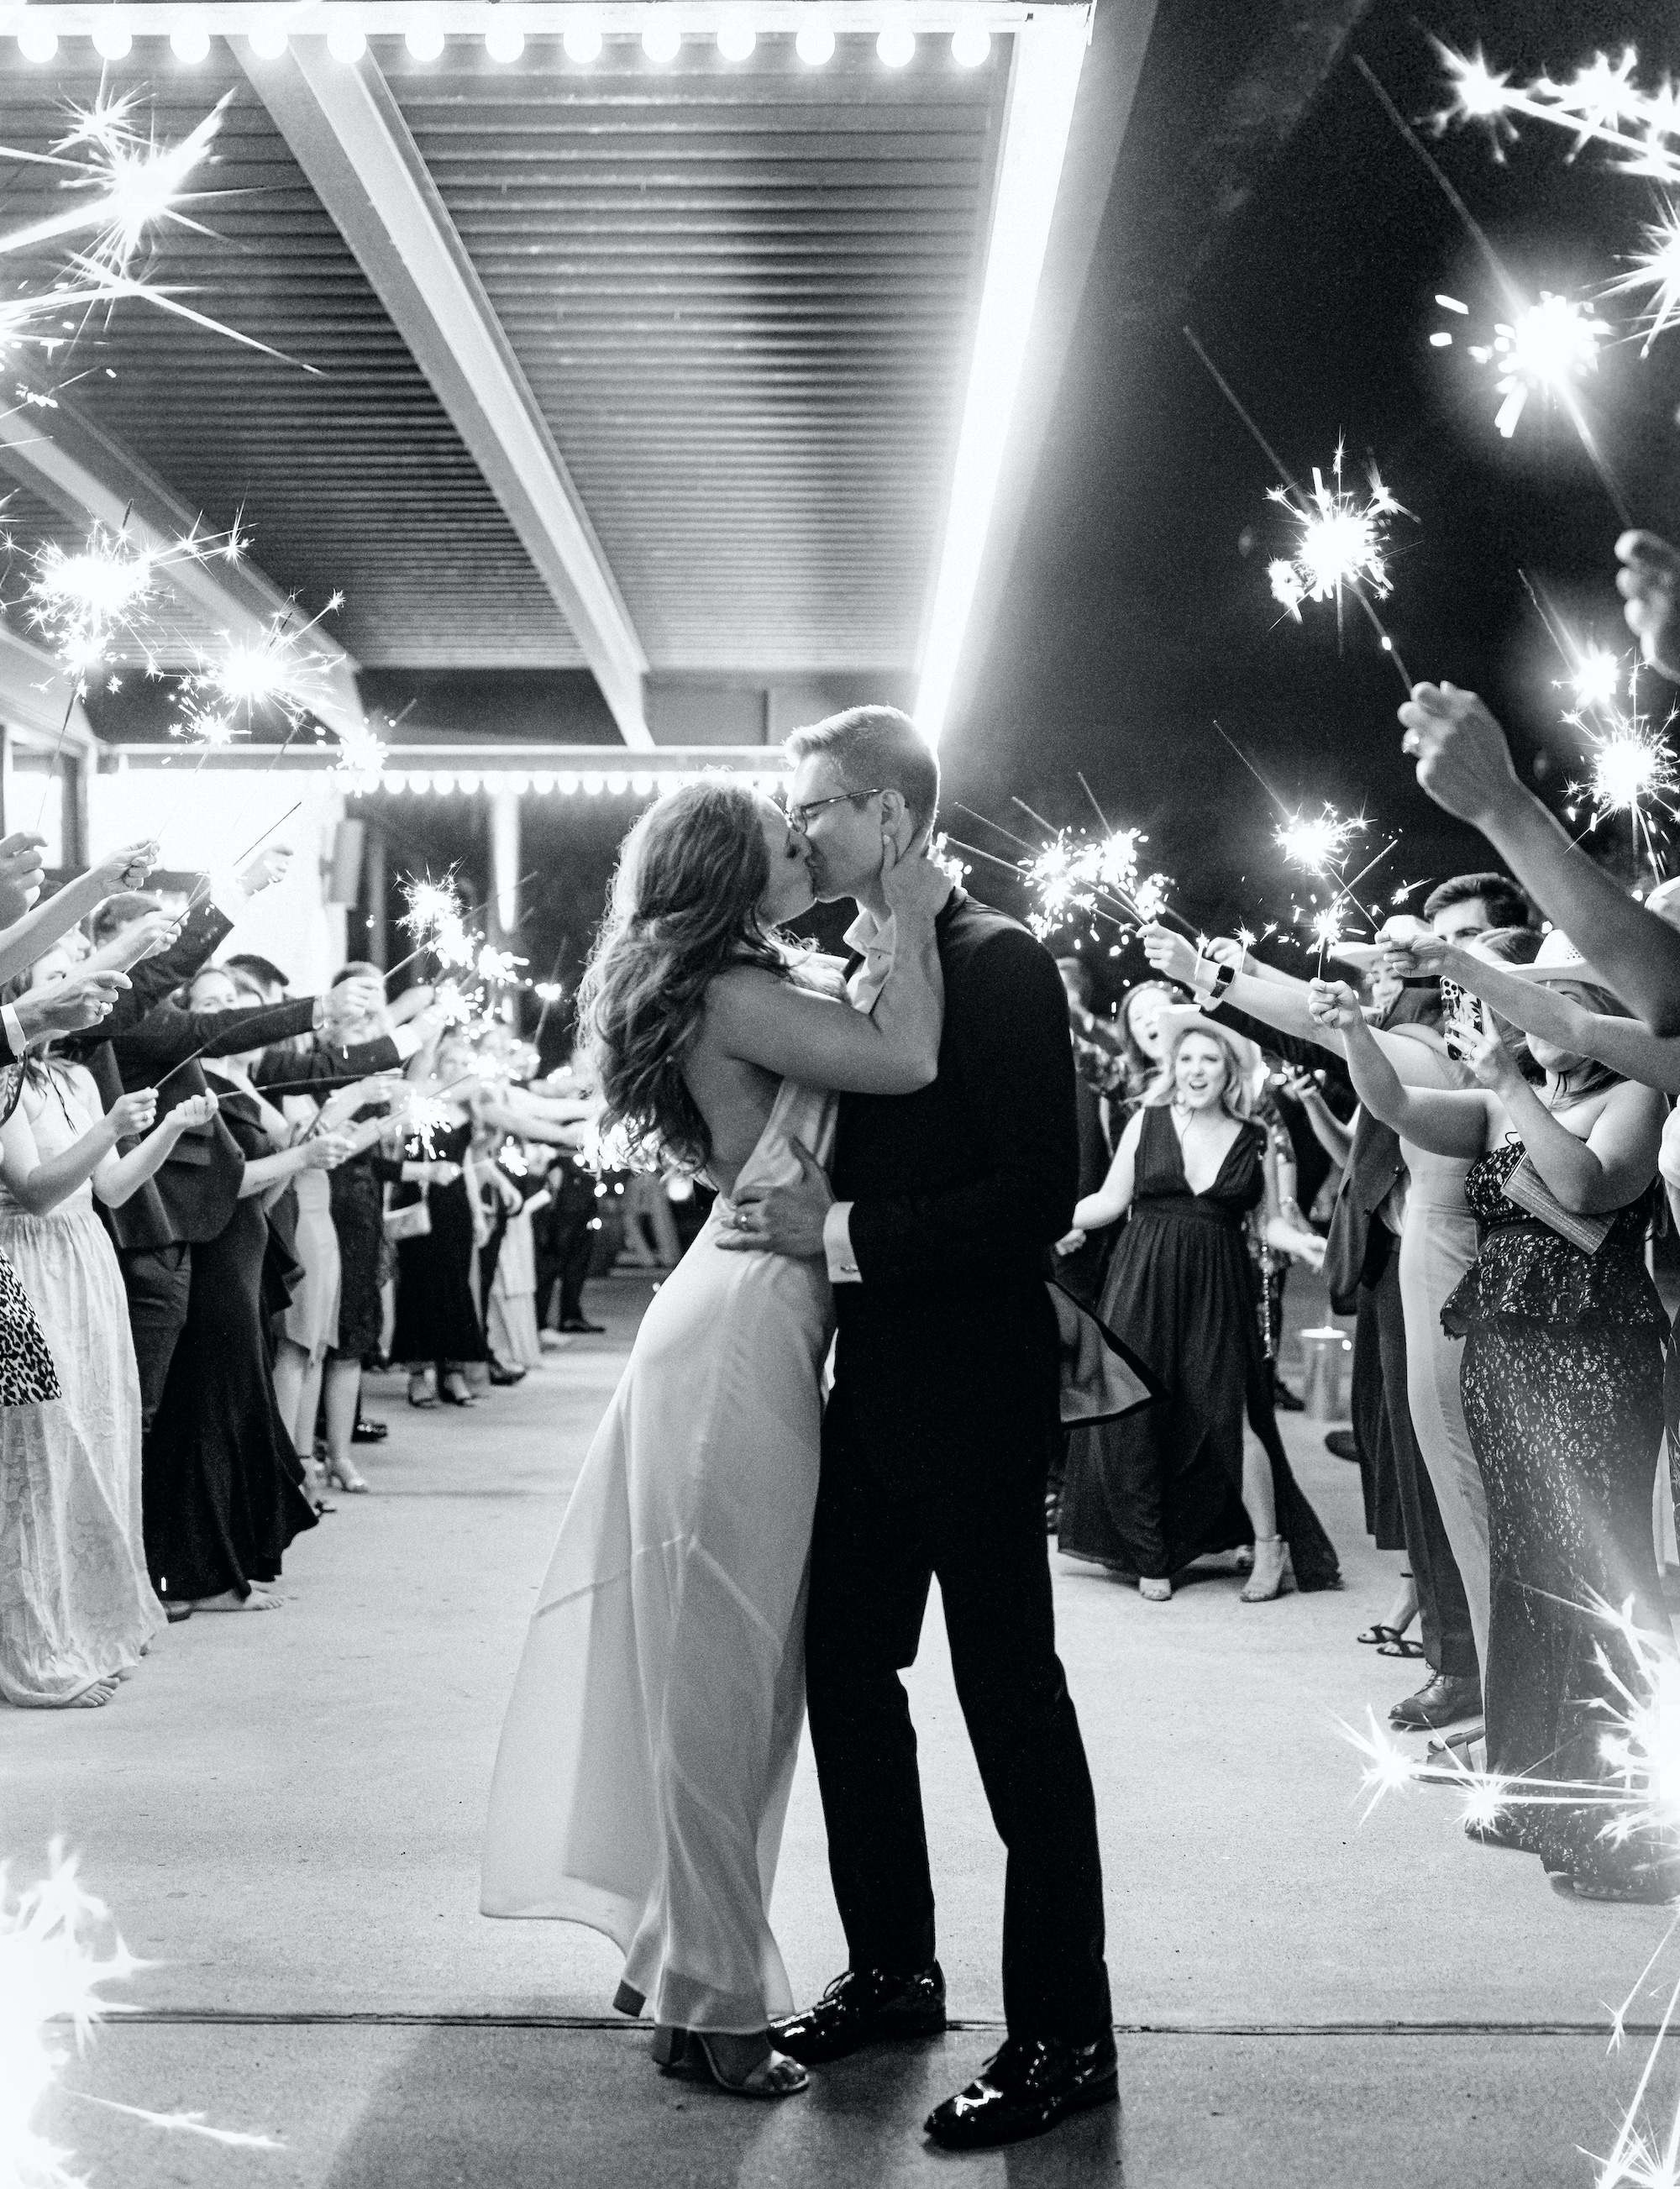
(897, 44)
(111, 43)
(814, 44)
(735, 37)
(425, 40)
(582, 41)
(504, 41)
(345, 42)
(661, 41)
(37, 42)
(970, 44)
(189, 42)
(268, 41)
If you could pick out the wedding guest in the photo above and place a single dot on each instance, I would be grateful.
(511, 1330)
(224, 1489)
(438, 1334)
(1099, 1069)
(1153, 1492)
(193, 1194)
(77, 1610)
(1464, 764)
(1563, 1369)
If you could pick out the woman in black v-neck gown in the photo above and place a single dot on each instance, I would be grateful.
(1147, 1494)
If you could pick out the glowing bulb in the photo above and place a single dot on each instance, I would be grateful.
(735, 37)
(814, 44)
(504, 41)
(970, 42)
(111, 43)
(425, 40)
(897, 44)
(346, 42)
(661, 41)
(268, 41)
(582, 41)
(37, 42)
(189, 42)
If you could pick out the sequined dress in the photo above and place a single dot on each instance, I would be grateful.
(1561, 1382)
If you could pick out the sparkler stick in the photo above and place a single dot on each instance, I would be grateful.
(1102, 817)
(1519, 305)
(1289, 481)
(205, 883)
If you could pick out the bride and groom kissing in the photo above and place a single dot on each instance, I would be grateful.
(894, 1148)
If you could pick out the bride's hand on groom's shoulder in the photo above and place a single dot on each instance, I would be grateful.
(914, 888)
(782, 1220)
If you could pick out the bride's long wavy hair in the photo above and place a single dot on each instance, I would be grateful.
(684, 906)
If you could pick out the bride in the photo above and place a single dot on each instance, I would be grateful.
(649, 1745)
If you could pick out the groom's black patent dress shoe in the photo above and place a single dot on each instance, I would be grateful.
(1025, 2088)
(865, 2006)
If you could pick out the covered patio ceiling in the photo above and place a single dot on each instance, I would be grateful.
(661, 348)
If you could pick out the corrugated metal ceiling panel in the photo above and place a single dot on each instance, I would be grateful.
(741, 294)
(353, 480)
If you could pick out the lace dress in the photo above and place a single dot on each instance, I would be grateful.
(1563, 1377)
(75, 1603)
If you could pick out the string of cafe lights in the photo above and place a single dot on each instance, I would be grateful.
(734, 34)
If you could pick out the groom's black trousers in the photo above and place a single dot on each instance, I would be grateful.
(882, 1531)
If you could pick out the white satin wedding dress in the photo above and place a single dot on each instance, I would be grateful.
(646, 1759)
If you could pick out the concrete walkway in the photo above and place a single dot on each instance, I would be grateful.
(283, 1813)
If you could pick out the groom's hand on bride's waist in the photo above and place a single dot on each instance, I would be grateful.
(782, 1220)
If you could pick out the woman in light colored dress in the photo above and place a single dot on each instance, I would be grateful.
(77, 1607)
(649, 1746)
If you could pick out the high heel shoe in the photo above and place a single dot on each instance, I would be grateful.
(341, 1475)
(686, 2052)
(1268, 1581)
(463, 1397)
(421, 1392)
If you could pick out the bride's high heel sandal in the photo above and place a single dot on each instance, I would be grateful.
(1271, 1570)
(686, 2052)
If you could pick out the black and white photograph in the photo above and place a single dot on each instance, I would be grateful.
(840, 1093)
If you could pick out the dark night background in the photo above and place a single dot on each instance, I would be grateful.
(1264, 195)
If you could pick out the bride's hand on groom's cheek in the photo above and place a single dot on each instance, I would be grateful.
(783, 1220)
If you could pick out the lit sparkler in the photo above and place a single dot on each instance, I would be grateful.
(99, 604)
(1320, 844)
(1601, 104)
(133, 185)
(52, 1971)
(278, 672)
(1656, 268)
(437, 919)
(1343, 543)
(1075, 878)
(1542, 350)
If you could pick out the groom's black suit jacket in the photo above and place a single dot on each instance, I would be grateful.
(947, 1346)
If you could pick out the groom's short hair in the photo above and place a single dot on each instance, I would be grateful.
(876, 749)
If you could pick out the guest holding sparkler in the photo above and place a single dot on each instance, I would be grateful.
(1464, 764)
(1563, 1372)
(1153, 1492)
(438, 1334)
(77, 1607)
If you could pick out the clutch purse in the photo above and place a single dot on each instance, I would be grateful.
(1529, 1189)
(413, 1221)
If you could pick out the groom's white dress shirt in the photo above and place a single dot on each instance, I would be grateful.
(877, 942)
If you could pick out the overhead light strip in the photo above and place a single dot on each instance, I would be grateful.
(1043, 83)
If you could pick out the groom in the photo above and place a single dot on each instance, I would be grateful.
(941, 1427)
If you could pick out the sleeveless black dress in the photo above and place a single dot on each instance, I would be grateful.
(436, 1315)
(1149, 1493)
(1562, 1384)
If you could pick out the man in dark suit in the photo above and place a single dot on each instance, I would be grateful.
(938, 1435)
(152, 1042)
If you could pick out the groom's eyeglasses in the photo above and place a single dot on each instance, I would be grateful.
(799, 816)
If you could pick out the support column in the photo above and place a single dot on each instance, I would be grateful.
(373, 882)
(504, 864)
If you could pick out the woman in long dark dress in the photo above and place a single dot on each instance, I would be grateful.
(1563, 1377)
(224, 1490)
(437, 1323)
(1148, 1493)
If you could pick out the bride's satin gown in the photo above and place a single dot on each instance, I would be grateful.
(648, 1752)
